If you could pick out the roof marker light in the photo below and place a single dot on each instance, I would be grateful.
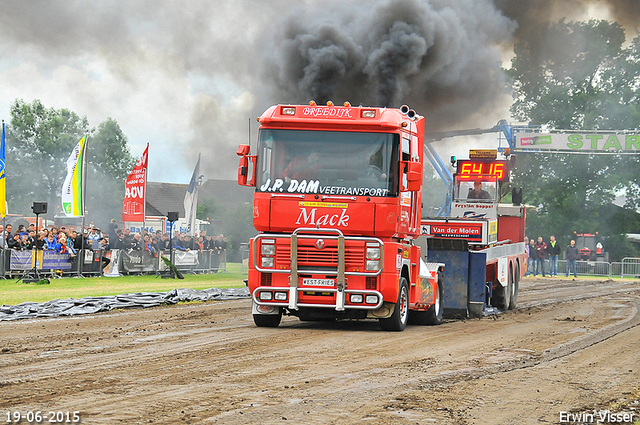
(347, 104)
(312, 103)
(329, 103)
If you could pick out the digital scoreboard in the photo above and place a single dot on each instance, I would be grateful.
(482, 169)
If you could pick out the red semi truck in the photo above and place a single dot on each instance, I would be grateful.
(337, 207)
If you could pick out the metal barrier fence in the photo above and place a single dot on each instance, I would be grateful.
(15, 264)
(628, 267)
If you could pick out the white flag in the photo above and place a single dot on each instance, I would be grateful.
(72, 196)
(191, 200)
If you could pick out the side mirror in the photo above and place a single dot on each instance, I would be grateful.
(414, 175)
(243, 150)
(243, 171)
(243, 166)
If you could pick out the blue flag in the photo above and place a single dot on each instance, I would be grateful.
(3, 180)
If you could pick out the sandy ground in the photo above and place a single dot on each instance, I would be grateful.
(571, 346)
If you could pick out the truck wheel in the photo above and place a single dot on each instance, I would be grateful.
(433, 316)
(267, 320)
(503, 294)
(398, 320)
(514, 288)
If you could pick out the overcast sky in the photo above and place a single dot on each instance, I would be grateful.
(190, 77)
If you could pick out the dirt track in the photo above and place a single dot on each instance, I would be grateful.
(570, 346)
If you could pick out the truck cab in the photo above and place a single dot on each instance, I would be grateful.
(337, 204)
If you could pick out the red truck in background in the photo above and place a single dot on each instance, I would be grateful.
(482, 241)
(591, 248)
(337, 206)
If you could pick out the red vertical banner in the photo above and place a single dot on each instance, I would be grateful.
(134, 193)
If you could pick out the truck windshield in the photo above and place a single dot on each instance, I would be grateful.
(328, 162)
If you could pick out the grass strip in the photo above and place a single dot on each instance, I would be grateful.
(13, 292)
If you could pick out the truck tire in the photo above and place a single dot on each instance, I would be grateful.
(503, 294)
(433, 316)
(514, 288)
(267, 320)
(398, 320)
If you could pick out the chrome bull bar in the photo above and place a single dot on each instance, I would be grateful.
(340, 273)
(364, 292)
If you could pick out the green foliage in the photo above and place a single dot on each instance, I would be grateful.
(235, 222)
(110, 151)
(208, 209)
(36, 140)
(434, 192)
(39, 141)
(578, 75)
(108, 164)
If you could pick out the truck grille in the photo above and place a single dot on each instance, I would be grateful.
(328, 256)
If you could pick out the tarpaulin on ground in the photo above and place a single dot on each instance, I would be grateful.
(87, 305)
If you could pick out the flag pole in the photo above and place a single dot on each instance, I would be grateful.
(83, 191)
(144, 203)
(4, 216)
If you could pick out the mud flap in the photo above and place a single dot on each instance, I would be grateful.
(464, 274)
(477, 279)
(455, 274)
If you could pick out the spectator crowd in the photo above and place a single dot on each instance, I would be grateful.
(539, 251)
(69, 241)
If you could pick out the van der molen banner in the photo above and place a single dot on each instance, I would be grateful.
(602, 142)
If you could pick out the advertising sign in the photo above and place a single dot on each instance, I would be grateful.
(133, 206)
(476, 232)
(629, 143)
(471, 231)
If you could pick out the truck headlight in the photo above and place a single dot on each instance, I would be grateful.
(267, 262)
(356, 298)
(280, 296)
(371, 299)
(373, 265)
(266, 296)
(268, 249)
(373, 253)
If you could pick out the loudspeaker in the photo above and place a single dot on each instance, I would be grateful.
(172, 215)
(516, 195)
(39, 207)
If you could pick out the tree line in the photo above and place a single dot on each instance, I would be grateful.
(579, 76)
(38, 142)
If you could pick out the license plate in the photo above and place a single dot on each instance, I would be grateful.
(318, 282)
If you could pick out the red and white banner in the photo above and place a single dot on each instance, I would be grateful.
(133, 207)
